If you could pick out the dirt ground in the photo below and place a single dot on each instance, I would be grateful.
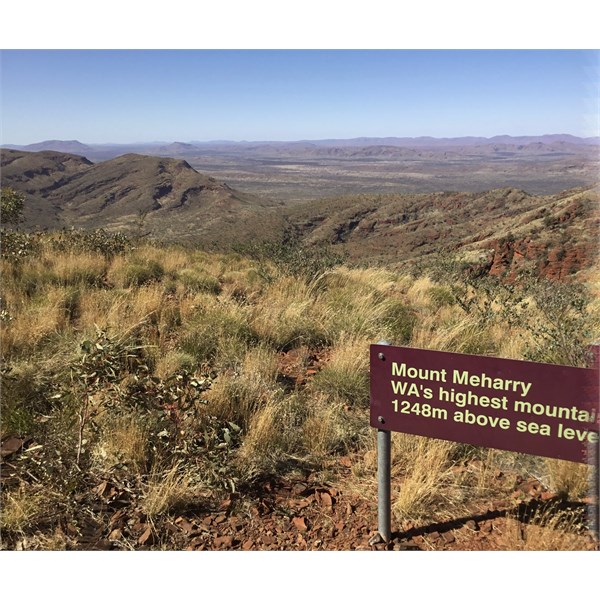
(304, 512)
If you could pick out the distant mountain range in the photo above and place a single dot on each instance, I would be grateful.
(355, 147)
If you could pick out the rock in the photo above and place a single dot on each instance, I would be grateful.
(248, 545)
(326, 500)
(146, 538)
(224, 541)
(486, 527)
(547, 496)
(472, 525)
(300, 523)
(376, 539)
(448, 537)
(185, 525)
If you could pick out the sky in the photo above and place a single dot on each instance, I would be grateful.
(110, 96)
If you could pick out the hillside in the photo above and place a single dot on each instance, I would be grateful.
(161, 196)
(166, 398)
(499, 230)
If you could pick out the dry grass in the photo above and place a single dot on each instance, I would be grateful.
(195, 312)
(424, 466)
(451, 331)
(547, 530)
(21, 507)
(571, 480)
(168, 490)
(266, 439)
(329, 428)
(172, 361)
(238, 394)
(285, 315)
(123, 441)
(345, 377)
(36, 322)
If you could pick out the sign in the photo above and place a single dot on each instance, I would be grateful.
(534, 408)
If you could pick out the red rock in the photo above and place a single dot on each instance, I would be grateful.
(185, 525)
(146, 538)
(486, 527)
(448, 537)
(326, 500)
(472, 525)
(300, 523)
(224, 541)
(546, 496)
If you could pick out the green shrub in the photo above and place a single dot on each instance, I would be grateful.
(97, 240)
(199, 281)
(141, 273)
(399, 321)
(441, 296)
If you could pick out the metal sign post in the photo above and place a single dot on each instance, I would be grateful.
(384, 507)
(384, 475)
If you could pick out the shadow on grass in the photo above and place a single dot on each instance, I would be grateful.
(534, 511)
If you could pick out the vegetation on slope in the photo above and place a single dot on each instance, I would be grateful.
(180, 377)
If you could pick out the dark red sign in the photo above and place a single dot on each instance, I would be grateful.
(541, 409)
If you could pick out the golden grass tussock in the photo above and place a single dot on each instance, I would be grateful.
(378, 279)
(286, 315)
(329, 428)
(122, 440)
(571, 480)
(80, 268)
(170, 489)
(243, 285)
(548, 529)
(459, 333)
(239, 393)
(345, 377)
(420, 469)
(21, 507)
(266, 439)
(36, 322)
(419, 292)
(173, 361)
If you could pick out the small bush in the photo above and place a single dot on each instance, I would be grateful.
(196, 281)
(345, 377)
(97, 241)
(399, 320)
(134, 273)
(441, 296)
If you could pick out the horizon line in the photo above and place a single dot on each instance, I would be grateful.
(305, 140)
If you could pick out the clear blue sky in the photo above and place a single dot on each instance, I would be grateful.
(134, 96)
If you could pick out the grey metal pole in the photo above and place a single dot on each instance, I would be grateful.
(384, 475)
(384, 509)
